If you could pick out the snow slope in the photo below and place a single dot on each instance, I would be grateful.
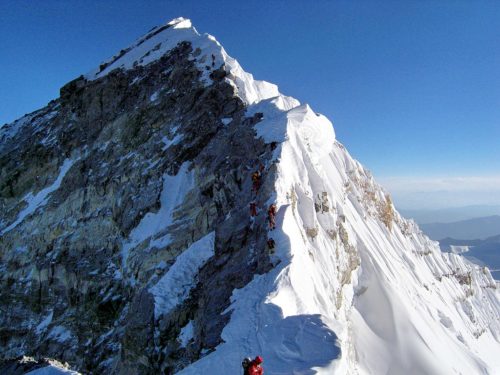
(153, 224)
(357, 289)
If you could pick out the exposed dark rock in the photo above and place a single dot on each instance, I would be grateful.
(67, 292)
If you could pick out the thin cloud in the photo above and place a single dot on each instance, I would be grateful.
(441, 192)
(434, 184)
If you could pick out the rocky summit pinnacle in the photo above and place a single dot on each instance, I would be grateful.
(168, 214)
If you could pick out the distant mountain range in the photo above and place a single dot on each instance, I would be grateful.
(479, 228)
(477, 239)
(450, 215)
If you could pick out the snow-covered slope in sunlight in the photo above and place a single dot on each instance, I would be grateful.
(357, 288)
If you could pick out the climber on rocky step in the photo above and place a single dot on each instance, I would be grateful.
(271, 213)
(256, 181)
(270, 243)
(253, 208)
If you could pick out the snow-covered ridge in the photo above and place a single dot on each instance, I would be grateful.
(357, 289)
(162, 39)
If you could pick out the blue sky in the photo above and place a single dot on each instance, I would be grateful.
(413, 87)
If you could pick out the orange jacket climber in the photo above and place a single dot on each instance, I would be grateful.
(256, 181)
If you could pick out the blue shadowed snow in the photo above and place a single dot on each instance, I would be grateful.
(52, 370)
(298, 343)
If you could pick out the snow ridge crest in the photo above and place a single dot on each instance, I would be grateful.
(162, 39)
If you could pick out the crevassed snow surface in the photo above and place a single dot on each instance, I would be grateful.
(174, 287)
(41, 198)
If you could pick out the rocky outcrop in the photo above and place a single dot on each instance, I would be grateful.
(81, 174)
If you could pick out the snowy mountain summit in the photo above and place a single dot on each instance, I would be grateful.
(137, 216)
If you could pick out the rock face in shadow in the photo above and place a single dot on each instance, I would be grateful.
(68, 290)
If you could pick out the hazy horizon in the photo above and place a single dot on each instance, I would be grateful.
(427, 193)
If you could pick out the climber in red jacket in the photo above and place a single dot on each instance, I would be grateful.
(253, 208)
(255, 368)
(271, 213)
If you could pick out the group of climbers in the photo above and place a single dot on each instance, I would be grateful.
(271, 211)
(271, 214)
(252, 367)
